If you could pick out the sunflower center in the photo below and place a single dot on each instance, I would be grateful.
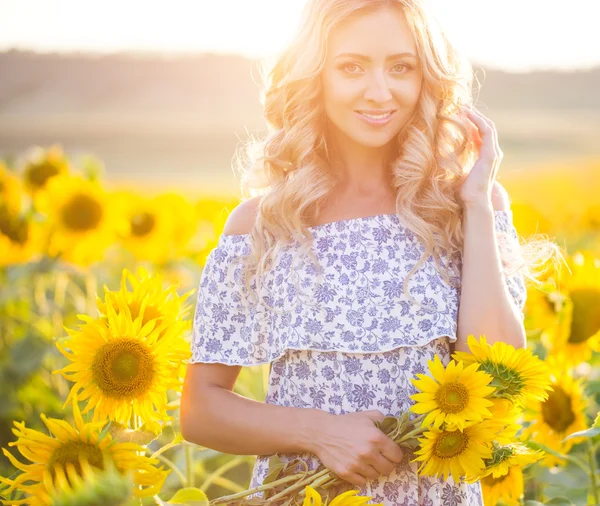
(507, 381)
(123, 368)
(452, 397)
(557, 411)
(13, 227)
(82, 213)
(72, 451)
(586, 317)
(142, 224)
(450, 444)
(38, 174)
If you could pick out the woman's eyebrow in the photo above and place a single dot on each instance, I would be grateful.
(367, 58)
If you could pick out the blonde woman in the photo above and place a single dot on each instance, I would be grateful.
(375, 238)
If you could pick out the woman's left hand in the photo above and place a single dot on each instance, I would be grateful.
(477, 187)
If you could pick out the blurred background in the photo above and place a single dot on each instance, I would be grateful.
(148, 101)
(164, 94)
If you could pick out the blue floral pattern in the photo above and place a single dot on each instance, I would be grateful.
(342, 336)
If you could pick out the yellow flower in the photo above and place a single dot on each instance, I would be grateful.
(577, 334)
(508, 488)
(20, 239)
(82, 221)
(42, 165)
(348, 498)
(543, 309)
(558, 416)
(455, 395)
(92, 486)
(455, 453)
(123, 367)
(506, 456)
(67, 447)
(11, 194)
(518, 374)
(505, 420)
(160, 303)
(147, 289)
(157, 228)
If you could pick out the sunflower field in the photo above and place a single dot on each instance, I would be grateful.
(97, 296)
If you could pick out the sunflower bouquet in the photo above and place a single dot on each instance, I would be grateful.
(471, 409)
(462, 426)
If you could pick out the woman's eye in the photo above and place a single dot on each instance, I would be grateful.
(350, 67)
(353, 68)
(406, 67)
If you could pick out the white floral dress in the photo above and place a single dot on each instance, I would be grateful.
(348, 340)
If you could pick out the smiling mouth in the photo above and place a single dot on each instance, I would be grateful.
(377, 116)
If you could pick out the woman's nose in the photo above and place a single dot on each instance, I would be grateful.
(378, 89)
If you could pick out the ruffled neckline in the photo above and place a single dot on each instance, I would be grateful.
(339, 225)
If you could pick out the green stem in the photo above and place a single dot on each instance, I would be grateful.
(163, 449)
(413, 433)
(221, 471)
(300, 484)
(189, 463)
(173, 466)
(593, 480)
(324, 480)
(267, 486)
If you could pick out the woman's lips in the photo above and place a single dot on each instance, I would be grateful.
(376, 119)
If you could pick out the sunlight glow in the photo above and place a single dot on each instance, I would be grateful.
(512, 34)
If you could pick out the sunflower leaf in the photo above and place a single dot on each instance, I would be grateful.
(538, 446)
(560, 501)
(189, 496)
(588, 433)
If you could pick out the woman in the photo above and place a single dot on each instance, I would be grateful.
(378, 238)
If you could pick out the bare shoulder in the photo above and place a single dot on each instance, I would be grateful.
(241, 219)
(500, 198)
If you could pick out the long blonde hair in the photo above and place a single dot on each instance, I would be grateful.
(290, 168)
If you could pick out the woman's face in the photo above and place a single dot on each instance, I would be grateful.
(371, 80)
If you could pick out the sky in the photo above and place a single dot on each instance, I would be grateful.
(515, 35)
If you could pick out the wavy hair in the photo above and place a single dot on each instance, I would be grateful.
(290, 169)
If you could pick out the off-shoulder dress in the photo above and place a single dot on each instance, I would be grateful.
(345, 340)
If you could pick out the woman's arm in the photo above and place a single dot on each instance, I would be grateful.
(214, 416)
(486, 306)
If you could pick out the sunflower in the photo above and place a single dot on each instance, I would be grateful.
(561, 414)
(20, 238)
(455, 395)
(67, 447)
(11, 193)
(505, 420)
(42, 165)
(82, 222)
(93, 487)
(182, 214)
(150, 228)
(577, 334)
(162, 304)
(211, 215)
(348, 498)
(508, 488)
(543, 310)
(506, 456)
(518, 374)
(454, 452)
(123, 367)
(146, 288)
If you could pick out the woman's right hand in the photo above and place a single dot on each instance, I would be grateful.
(352, 447)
